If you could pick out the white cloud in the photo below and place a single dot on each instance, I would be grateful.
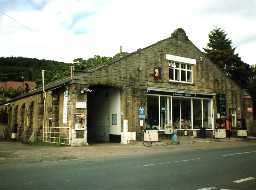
(64, 30)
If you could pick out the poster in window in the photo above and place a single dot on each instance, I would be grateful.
(79, 121)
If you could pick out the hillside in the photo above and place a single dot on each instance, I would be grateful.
(29, 69)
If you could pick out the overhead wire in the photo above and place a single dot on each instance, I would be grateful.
(16, 21)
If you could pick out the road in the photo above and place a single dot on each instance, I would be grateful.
(226, 169)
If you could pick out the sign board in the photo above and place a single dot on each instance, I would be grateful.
(141, 113)
(180, 94)
(81, 105)
(141, 123)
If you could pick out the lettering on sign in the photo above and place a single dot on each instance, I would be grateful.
(80, 104)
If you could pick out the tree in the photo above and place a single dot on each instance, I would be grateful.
(88, 64)
(220, 51)
(252, 84)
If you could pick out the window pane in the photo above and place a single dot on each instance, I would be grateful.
(153, 111)
(183, 66)
(183, 75)
(176, 112)
(177, 74)
(171, 74)
(207, 114)
(170, 110)
(189, 67)
(185, 113)
(163, 111)
(177, 65)
(197, 114)
(189, 76)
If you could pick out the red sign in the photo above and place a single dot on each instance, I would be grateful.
(157, 73)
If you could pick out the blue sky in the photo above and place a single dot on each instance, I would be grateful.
(63, 30)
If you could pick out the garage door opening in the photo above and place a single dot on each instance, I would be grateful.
(104, 115)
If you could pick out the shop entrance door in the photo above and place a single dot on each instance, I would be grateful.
(232, 111)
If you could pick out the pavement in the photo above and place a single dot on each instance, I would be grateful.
(18, 153)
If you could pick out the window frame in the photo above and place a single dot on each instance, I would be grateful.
(169, 120)
(173, 69)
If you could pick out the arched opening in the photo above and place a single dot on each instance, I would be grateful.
(14, 122)
(104, 114)
(3, 124)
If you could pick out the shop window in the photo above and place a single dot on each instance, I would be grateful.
(176, 112)
(153, 111)
(180, 112)
(207, 114)
(197, 114)
(180, 72)
(185, 114)
(163, 112)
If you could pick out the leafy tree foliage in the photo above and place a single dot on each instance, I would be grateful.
(220, 51)
(88, 64)
(93, 62)
(252, 84)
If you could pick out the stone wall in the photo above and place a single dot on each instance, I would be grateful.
(134, 74)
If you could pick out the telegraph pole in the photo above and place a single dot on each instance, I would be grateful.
(72, 68)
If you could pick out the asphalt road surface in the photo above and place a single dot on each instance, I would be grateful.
(223, 169)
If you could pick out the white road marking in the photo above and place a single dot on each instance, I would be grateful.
(146, 165)
(208, 188)
(169, 162)
(244, 179)
(237, 153)
(212, 188)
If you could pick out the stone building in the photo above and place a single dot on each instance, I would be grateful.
(169, 83)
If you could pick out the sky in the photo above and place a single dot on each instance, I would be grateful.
(63, 30)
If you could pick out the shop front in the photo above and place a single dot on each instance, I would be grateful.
(186, 112)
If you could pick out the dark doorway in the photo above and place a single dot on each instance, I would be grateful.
(103, 115)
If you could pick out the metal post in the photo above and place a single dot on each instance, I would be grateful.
(44, 105)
